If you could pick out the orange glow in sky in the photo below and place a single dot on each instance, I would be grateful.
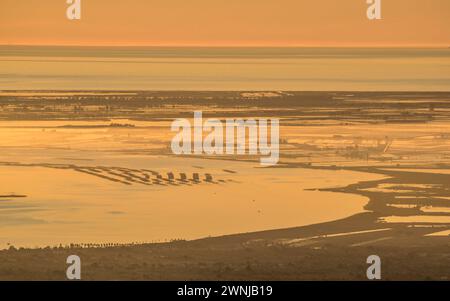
(226, 23)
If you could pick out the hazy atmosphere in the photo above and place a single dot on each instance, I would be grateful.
(323, 139)
(226, 23)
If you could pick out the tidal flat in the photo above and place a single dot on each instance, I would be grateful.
(93, 172)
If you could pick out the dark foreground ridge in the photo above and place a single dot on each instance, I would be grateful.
(305, 253)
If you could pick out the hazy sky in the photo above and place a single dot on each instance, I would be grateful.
(226, 22)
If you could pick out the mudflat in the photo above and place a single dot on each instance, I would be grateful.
(91, 173)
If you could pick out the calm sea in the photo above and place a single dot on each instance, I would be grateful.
(157, 68)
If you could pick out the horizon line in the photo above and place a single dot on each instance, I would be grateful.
(427, 46)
